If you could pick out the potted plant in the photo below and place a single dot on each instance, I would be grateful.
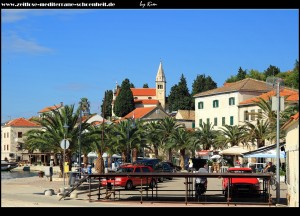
(41, 174)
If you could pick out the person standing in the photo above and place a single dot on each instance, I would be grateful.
(201, 182)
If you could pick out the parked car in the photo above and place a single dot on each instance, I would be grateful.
(163, 167)
(130, 182)
(241, 186)
(148, 162)
(174, 167)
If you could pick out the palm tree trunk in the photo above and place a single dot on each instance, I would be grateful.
(99, 164)
(124, 156)
(85, 159)
(156, 152)
(170, 154)
(134, 155)
(182, 154)
(109, 160)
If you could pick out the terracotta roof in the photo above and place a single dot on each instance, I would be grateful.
(293, 118)
(187, 114)
(47, 109)
(138, 113)
(292, 95)
(146, 101)
(248, 84)
(21, 122)
(143, 91)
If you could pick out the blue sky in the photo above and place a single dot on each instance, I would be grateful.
(53, 55)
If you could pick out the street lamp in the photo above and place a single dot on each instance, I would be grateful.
(129, 144)
(65, 132)
(79, 141)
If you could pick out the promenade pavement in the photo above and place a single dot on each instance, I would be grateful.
(30, 192)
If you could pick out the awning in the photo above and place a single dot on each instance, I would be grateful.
(263, 149)
(234, 150)
(267, 154)
(92, 154)
(202, 153)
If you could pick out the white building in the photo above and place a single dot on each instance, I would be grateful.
(292, 159)
(12, 141)
(220, 106)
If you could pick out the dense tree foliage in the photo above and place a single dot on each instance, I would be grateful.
(107, 101)
(271, 71)
(202, 84)
(124, 103)
(180, 97)
(290, 78)
(241, 74)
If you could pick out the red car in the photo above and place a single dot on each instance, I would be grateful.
(130, 182)
(241, 186)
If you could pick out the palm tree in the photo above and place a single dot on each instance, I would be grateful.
(232, 135)
(206, 135)
(181, 139)
(257, 133)
(84, 106)
(53, 132)
(152, 136)
(167, 126)
(127, 137)
(270, 116)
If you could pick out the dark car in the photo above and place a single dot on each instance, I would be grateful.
(165, 168)
(174, 167)
(241, 186)
(148, 162)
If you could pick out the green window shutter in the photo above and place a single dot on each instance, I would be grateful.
(231, 120)
(200, 105)
(232, 101)
(215, 103)
(223, 121)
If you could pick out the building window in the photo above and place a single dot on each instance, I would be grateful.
(19, 134)
(7, 135)
(215, 103)
(160, 86)
(149, 97)
(215, 121)
(259, 113)
(200, 122)
(4, 135)
(231, 101)
(7, 147)
(223, 121)
(135, 98)
(207, 121)
(252, 115)
(193, 124)
(200, 105)
(231, 120)
(246, 115)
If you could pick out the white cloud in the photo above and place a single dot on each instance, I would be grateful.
(15, 44)
(9, 16)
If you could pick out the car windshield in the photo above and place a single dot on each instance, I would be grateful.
(124, 170)
(240, 171)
